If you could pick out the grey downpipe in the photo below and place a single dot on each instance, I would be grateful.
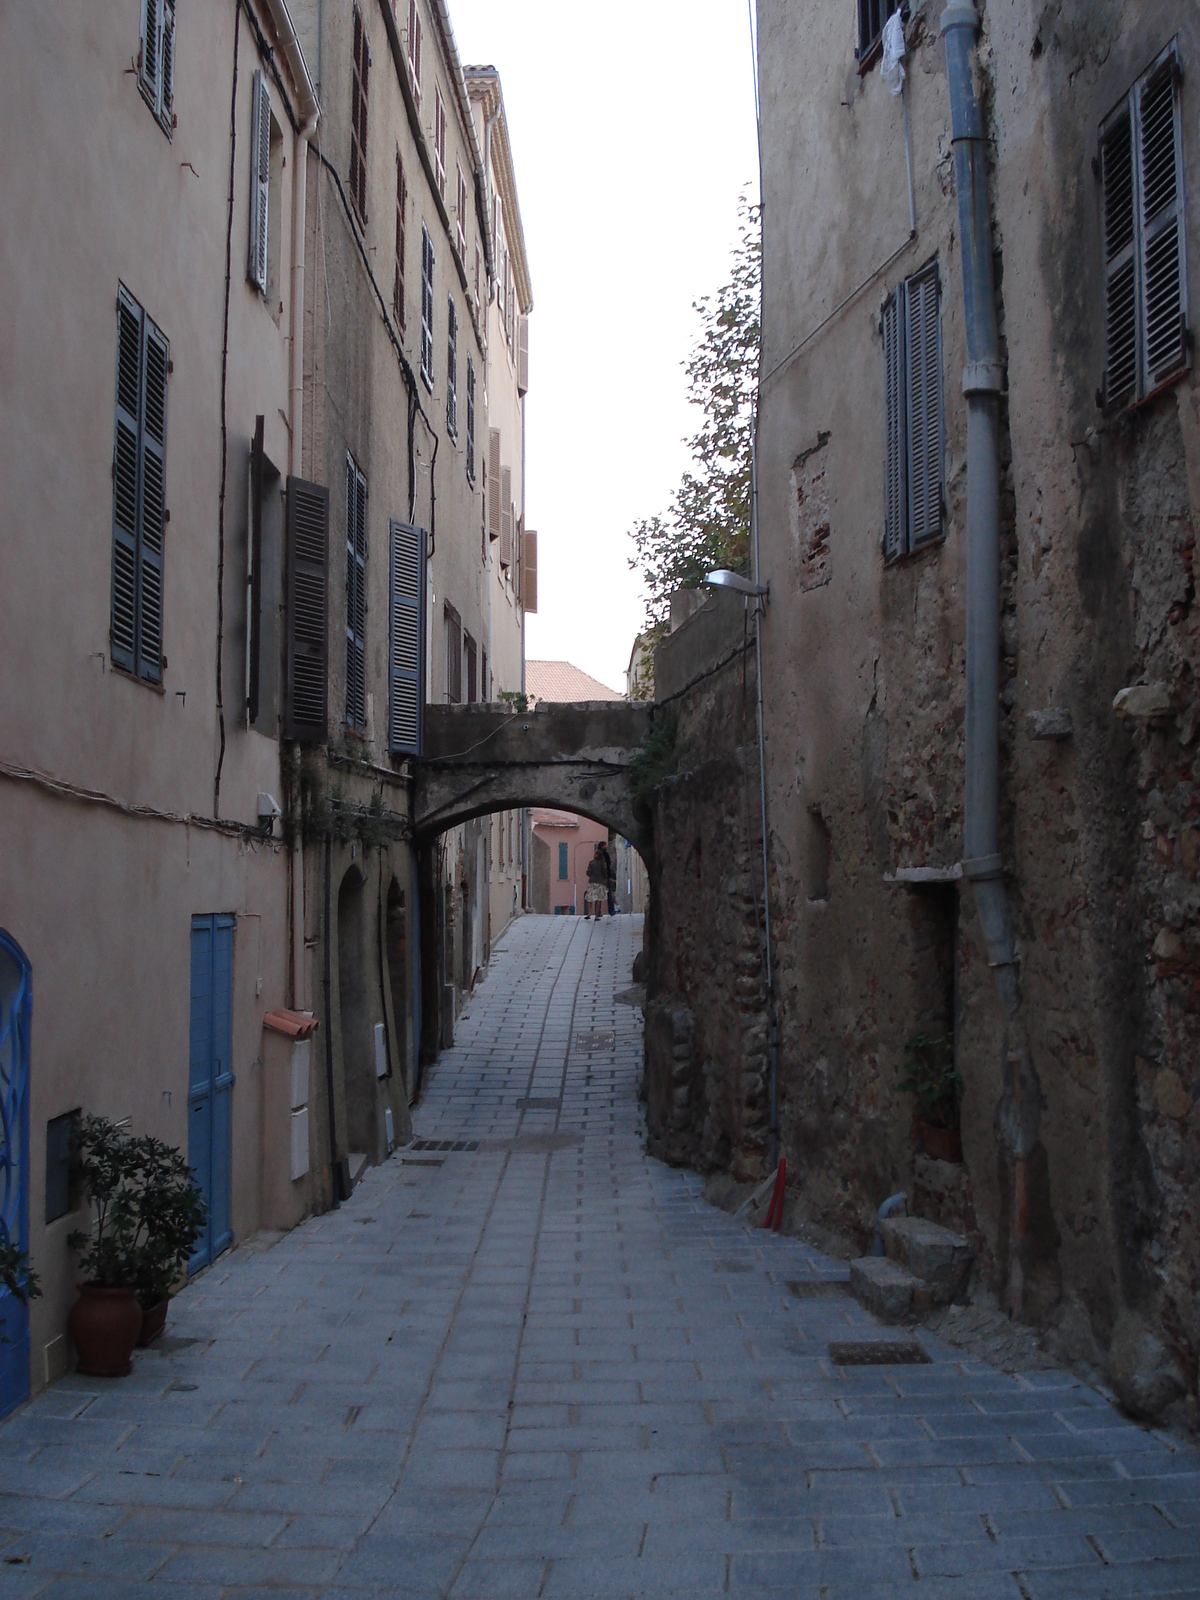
(1018, 1116)
(773, 1156)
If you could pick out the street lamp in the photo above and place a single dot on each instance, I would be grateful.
(724, 579)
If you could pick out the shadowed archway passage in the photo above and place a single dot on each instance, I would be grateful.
(571, 757)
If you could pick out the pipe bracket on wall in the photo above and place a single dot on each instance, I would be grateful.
(983, 377)
(983, 867)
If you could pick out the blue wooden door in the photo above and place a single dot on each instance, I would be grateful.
(210, 1080)
(15, 1015)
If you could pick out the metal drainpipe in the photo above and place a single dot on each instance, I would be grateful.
(1018, 1116)
(773, 1148)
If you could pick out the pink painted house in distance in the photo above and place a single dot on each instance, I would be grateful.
(562, 843)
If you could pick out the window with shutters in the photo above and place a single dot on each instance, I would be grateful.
(266, 187)
(485, 692)
(872, 14)
(356, 596)
(306, 612)
(156, 61)
(914, 428)
(406, 650)
(139, 490)
(470, 650)
(401, 208)
(453, 654)
(1147, 344)
(358, 118)
(470, 422)
(439, 140)
(493, 484)
(478, 276)
(451, 368)
(460, 216)
(426, 307)
(506, 517)
(414, 48)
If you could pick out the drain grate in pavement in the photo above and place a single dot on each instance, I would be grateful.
(877, 1353)
(818, 1288)
(443, 1144)
(539, 1102)
(603, 1039)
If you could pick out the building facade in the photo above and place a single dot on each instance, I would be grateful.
(151, 412)
(975, 327)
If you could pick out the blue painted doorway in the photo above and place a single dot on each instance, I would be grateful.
(210, 1080)
(15, 1016)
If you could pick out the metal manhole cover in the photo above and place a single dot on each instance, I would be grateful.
(539, 1102)
(818, 1288)
(443, 1144)
(877, 1353)
(603, 1039)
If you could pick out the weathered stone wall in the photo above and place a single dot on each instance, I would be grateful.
(864, 666)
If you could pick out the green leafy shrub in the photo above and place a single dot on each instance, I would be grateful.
(657, 760)
(933, 1079)
(16, 1274)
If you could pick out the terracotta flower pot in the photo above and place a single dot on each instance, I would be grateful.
(104, 1325)
(942, 1144)
(154, 1320)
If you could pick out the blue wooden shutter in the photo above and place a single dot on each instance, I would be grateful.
(200, 1050)
(356, 595)
(123, 629)
(406, 651)
(220, 1218)
(1161, 225)
(562, 861)
(153, 503)
(305, 718)
(923, 397)
(260, 180)
(895, 495)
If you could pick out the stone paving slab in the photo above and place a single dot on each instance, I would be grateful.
(544, 1367)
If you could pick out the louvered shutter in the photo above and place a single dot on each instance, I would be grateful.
(260, 180)
(167, 61)
(153, 504)
(406, 645)
(895, 488)
(506, 517)
(307, 601)
(523, 356)
(1164, 272)
(356, 596)
(493, 484)
(426, 306)
(1120, 266)
(254, 584)
(123, 629)
(923, 360)
(529, 571)
(148, 67)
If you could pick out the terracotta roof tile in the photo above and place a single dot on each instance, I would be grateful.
(559, 681)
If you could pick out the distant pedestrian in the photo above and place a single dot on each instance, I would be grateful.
(597, 885)
(610, 879)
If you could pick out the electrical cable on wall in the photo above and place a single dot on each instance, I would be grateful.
(237, 22)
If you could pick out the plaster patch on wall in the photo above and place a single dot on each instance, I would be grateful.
(810, 515)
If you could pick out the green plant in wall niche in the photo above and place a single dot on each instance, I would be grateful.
(932, 1079)
(515, 700)
(657, 760)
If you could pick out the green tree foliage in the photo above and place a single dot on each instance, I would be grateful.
(707, 524)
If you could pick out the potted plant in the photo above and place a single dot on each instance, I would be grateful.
(148, 1213)
(16, 1275)
(171, 1215)
(936, 1085)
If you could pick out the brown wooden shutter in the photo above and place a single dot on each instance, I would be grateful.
(923, 351)
(506, 517)
(493, 484)
(254, 607)
(123, 626)
(153, 505)
(895, 488)
(305, 713)
(1120, 264)
(529, 572)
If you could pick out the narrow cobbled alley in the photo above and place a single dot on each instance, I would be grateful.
(527, 1360)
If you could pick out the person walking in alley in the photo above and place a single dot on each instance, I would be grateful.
(596, 893)
(610, 879)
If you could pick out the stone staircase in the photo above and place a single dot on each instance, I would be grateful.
(924, 1265)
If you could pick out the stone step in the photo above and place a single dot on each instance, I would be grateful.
(940, 1258)
(883, 1287)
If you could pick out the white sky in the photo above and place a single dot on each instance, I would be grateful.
(632, 130)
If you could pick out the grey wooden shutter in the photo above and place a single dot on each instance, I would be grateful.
(356, 595)
(254, 587)
(895, 497)
(529, 571)
(523, 356)
(493, 487)
(506, 517)
(307, 604)
(260, 180)
(426, 306)
(1120, 266)
(923, 361)
(148, 66)
(1160, 187)
(453, 654)
(123, 627)
(472, 654)
(153, 503)
(451, 368)
(167, 62)
(470, 421)
(407, 644)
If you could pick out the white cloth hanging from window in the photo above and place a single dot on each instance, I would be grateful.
(892, 70)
